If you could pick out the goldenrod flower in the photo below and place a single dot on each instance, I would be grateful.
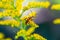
(19, 7)
(10, 22)
(32, 14)
(17, 13)
(30, 30)
(4, 0)
(1, 4)
(39, 4)
(15, 23)
(1, 14)
(12, 8)
(47, 4)
(8, 11)
(26, 8)
(2, 35)
(11, 13)
(55, 7)
(39, 37)
(24, 18)
(19, 1)
(7, 1)
(56, 21)
(8, 6)
(10, 0)
(20, 33)
(32, 4)
(6, 14)
(33, 24)
(8, 39)
(19, 4)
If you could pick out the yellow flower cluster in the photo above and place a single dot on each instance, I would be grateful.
(39, 37)
(13, 23)
(56, 21)
(10, 13)
(2, 37)
(1, 4)
(19, 4)
(6, 4)
(30, 15)
(33, 24)
(7, 0)
(39, 4)
(20, 33)
(26, 8)
(4, 0)
(13, 8)
(27, 32)
(30, 30)
(55, 7)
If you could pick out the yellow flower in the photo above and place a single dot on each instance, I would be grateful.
(7, 11)
(6, 14)
(39, 4)
(1, 4)
(2, 35)
(10, 0)
(16, 37)
(17, 13)
(8, 39)
(26, 8)
(32, 14)
(8, 6)
(24, 18)
(39, 37)
(55, 7)
(56, 21)
(30, 30)
(12, 15)
(20, 33)
(1, 22)
(7, 1)
(33, 24)
(1, 14)
(6, 22)
(19, 1)
(32, 4)
(13, 23)
(47, 4)
(4, 0)
(19, 7)
(19, 4)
